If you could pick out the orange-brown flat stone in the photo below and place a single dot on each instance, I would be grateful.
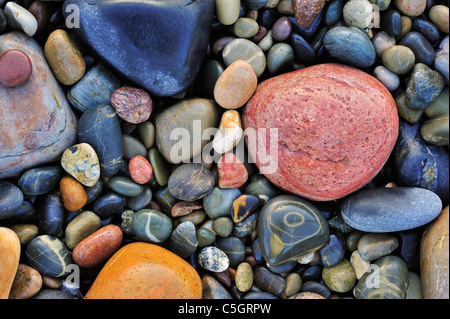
(73, 194)
(146, 271)
(235, 85)
(98, 247)
(27, 283)
(336, 127)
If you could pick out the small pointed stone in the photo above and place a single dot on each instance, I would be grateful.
(229, 132)
(232, 172)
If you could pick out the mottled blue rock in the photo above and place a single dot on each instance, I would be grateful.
(245, 227)
(233, 247)
(40, 180)
(390, 209)
(420, 164)
(48, 255)
(50, 212)
(162, 47)
(94, 88)
(422, 48)
(183, 240)
(333, 251)
(423, 87)
(350, 45)
(219, 201)
(100, 127)
(213, 259)
(109, 204)
(11, 197)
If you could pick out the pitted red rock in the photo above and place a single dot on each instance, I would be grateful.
(337, 126)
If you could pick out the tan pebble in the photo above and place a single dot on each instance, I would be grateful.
(439, 15)
(244, 277)
(73, 194)
(64, 57)
(235, 85)
(27, 283)
(51, 282)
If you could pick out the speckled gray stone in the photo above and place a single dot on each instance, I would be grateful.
(213, 259)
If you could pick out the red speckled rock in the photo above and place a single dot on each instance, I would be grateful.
(15, 68)
(98, 247)
(232, 172)
(140, 169)
(337, 126)
(131, 104)
(306, 11)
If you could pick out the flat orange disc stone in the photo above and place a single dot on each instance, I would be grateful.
(336, 126)
(146, 271)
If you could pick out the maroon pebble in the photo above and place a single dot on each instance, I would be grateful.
(132, 105)
(15, 68)
(140, 169)
(282, 28)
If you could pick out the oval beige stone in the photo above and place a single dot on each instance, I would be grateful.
(236, 85)
(244, 277)
(64, 57)
(81, 227)
(412, 8)
(439, 16)
(227, 11)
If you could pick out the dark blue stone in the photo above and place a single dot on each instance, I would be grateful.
(409, 243)
(11, 197)
(308, 32)
(333, 12)
(40, 180)
(422, 48)
(109, 204)
(317, 41)
(158, 44)
(428, 29)
(316, 287)
(142, 201)
(391, 22)
(100, 127)
(333, 251)
(304, 52)
(268, 17)
(282, 268)
(26, 213)
(165, 200)
(50, 213)
(420, 164)
(257, 252)
(255, 4)
(390, 209)
(94, 191)
(311, 273)
(233, 247)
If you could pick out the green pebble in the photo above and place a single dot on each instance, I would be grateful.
(146, 132)
(353, 239)
(81, 227)
(245, 28)
(440, 105)
(340, 277)
(293, 285)
(223, 226)
(151, 226)
(125, 186)
(132, 147)
(399, 59)
(404, 111)
(25, 232)
(435, 130)
(195, 217)
(205, 237)
(160, 167)
(280, 58)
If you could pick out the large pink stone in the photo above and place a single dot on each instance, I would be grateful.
(337, 126)
(36, 121)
